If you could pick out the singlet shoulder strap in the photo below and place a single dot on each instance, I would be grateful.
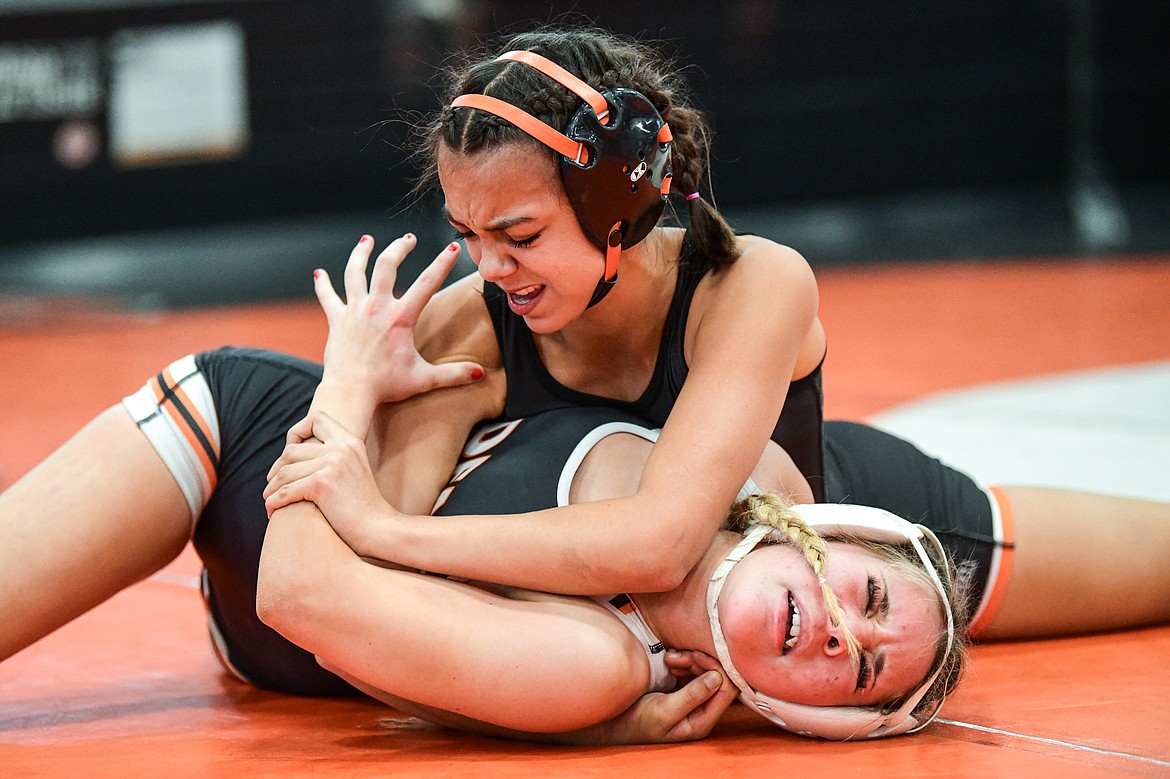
(532, 389)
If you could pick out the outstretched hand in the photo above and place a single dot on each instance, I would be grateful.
(371, 332)
(326, 464)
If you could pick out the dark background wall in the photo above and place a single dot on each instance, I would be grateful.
(853, 130)
(811, 101)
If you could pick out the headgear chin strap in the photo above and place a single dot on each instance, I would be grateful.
(838, 723)
(615, 159)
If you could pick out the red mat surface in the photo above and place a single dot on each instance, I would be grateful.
(131, 689)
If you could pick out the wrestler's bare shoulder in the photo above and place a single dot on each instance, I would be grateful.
(757, 250)
(455, 325)
(764, 272)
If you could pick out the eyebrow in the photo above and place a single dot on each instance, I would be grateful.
(498, 226)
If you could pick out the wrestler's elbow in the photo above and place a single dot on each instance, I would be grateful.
(287, 602)
(288, 589)
(670, 535)
(665, 572)
(663, 560)
(668, 580)
(277, 592)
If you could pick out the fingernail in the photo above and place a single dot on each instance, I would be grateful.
(712, 680)
(409, 236)
(363, 239)
(453, 246)
(317, 274)
(477, 373)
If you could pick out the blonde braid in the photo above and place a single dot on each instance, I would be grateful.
(771, 510)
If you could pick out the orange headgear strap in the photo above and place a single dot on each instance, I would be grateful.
(564, 78)
(542, 132)
(559, 142)
(613, 252)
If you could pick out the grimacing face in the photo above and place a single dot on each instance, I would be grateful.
(510, 208)
(894, 617)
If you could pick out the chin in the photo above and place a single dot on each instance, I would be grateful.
(543, 326)
(542, 323)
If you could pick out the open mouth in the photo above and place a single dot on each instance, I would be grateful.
(793, 625)
(525, 296)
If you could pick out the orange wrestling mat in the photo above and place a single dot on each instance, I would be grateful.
(132, 689)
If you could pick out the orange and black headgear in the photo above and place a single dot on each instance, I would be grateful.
(614, 155)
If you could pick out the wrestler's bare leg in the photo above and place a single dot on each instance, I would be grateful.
(1084, 562)
(99, 514)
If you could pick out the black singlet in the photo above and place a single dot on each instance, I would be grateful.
(532, 389)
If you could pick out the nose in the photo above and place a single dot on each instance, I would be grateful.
(836, 641)
(493, 263)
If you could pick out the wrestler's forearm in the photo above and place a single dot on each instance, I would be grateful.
(528, 665)
(414, 444)
(687, 714)
(601, 734)
(623, 545)
(350, 405)
(298, 546)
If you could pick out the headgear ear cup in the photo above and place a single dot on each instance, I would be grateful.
(615, 159)
(622, 182)
(838, 723)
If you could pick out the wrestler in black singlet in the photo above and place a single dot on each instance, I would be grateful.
(531, 389)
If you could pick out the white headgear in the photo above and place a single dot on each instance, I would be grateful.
(839, 723)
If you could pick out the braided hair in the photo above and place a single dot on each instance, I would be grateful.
(605, 61)
(768, 509)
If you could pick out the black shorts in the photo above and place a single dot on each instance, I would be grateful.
(257, 396)
(867, 466)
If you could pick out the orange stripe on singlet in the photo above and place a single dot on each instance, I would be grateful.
(1003, 573)
(192, 409)
(192, 440)
(622, 603)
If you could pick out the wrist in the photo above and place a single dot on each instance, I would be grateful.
(346, 402)
(377, 538)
